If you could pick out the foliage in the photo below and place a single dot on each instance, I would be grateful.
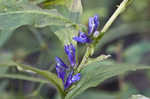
(34, 32)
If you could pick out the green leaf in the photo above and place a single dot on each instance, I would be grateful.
(4, 35)
(52, 78)
(96, 95)
(37, 1)
(11, 20)
(65, 34)
(95, 73)
(75, 8)
(98, 59)
(5, 56)
(37, 18)
(23, 77)
(54, 2)
(71, 9)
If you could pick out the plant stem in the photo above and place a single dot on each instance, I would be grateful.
(119, 10)
(85, 57)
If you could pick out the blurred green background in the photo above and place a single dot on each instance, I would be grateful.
(128, 41)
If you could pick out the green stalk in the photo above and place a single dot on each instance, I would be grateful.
(85, 57)
(119, 10)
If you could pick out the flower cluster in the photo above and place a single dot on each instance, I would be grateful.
(93, 25)
(62, 68)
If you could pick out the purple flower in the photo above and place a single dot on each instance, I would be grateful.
(96, 21)
(82, 38)
(61, 68)
(68, 81)
(60, 63)
(71, 79)
(70, 51)
(95, 34)
(61, 72)
(93, 24)
(76, 78)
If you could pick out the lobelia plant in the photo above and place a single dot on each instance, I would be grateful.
(62, 68)
(73, 79)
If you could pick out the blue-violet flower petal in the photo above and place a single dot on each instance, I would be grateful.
(60, 63)
(75, 78)
(68, 81)
(70, 51)
(71, 79)
(82, 38)
(61, 72)
(96, 21)
(93, 24)
(61, 68)
(96, 34)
